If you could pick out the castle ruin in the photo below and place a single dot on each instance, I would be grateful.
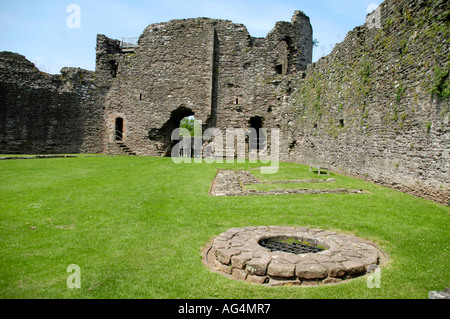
(211, 69)
(376, 106)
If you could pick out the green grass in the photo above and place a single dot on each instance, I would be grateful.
(136, 225)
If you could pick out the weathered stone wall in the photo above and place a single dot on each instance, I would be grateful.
(43, 113)
(248, 75)
(212, 69)
(376, 106)
(167, 78)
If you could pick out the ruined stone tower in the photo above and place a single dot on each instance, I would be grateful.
(211, 69)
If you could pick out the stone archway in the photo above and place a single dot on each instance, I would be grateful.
(163, 135)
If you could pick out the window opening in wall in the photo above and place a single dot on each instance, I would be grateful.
(279, 68)
(114, 67)
(237, 101)
(140, 97)
(341, 123)
(119, 129)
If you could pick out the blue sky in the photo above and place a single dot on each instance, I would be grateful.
(39, 31)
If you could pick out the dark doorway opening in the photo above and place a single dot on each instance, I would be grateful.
(119, 129)
(258, 140)
(164, 135)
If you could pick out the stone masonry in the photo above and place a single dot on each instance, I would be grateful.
(376, 108)
(232, 183)
(237, 253)
(44, 114)
(212, 69)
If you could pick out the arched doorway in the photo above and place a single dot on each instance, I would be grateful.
(119, 129)
(163, 135)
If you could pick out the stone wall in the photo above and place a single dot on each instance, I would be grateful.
(376, 106)
(212, 69)
(42, 113)
(167, 78)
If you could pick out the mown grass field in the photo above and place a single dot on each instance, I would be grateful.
(136, 226)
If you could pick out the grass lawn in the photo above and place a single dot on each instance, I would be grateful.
(136, 225)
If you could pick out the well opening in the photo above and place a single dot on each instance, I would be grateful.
(293, 245)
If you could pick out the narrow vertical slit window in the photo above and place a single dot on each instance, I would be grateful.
(114, 68)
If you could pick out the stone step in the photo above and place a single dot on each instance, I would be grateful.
(125, 148)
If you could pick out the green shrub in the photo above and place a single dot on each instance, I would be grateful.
(441, 84)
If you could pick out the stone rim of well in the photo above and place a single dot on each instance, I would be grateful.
(237, 254)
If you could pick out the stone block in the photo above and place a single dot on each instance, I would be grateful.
(257, 279)
(281, 270)
(283, 282)
(224, 255)
(331, 280)
(353, 267)
(257, 266)
(224, 268)
(334, 269)
(311, 271)
(239, 261)
(239, 274)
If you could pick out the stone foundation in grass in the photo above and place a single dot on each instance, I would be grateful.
(232, 183)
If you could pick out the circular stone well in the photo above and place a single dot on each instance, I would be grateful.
(239, 253)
